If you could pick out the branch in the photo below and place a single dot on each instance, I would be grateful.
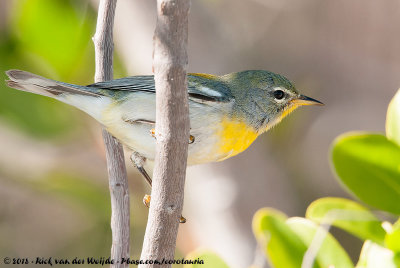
(172, 130)
(118, 183)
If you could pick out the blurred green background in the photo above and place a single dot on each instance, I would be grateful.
(54, 198)
(58, 209)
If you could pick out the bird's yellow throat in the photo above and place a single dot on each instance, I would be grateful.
(237, 136)
(289, 110)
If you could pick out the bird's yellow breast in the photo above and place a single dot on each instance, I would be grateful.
(234, 138)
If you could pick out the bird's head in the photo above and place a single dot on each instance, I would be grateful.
(264, 98)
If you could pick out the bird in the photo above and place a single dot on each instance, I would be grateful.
(227, 113)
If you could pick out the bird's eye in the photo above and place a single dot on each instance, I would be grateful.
(279, 94)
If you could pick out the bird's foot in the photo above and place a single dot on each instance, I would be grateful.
(153, 132)
(182, 219)
(146, 200)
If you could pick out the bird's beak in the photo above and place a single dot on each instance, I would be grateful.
(304, 100)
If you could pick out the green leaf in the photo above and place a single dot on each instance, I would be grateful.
(374, 256)
(56, 34)
(369, 166)
(393, 119)
(53, 39)
(392, 239)
(210, 259)
(347, 215)
(323, 247)
(283, 247)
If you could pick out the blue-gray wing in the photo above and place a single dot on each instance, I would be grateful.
(133, 83)
(199, 89)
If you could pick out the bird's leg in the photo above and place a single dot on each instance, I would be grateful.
(139, 160)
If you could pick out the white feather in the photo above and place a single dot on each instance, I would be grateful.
(94, 106)
(210, 92)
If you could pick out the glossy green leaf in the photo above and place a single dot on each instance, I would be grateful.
(347, 215)
(375, 256)
(393, 119)
(283, 246)
(322, 246)
(209, 258)
(369, 166)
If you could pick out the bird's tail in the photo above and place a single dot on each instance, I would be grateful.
(33, 83)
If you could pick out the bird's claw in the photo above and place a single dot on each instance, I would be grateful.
(191, 139)
(182, 219)
(146, 200)
(153, 132)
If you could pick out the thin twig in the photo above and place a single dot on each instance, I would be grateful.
(172, 131)
(119, 192)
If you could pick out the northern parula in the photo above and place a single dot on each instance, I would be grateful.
(227, 113)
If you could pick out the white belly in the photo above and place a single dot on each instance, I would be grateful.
(204, 123)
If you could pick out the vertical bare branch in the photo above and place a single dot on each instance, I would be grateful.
(120, 222)
(172, 130)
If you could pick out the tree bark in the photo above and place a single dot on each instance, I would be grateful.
(171, 131)
(119, 192)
